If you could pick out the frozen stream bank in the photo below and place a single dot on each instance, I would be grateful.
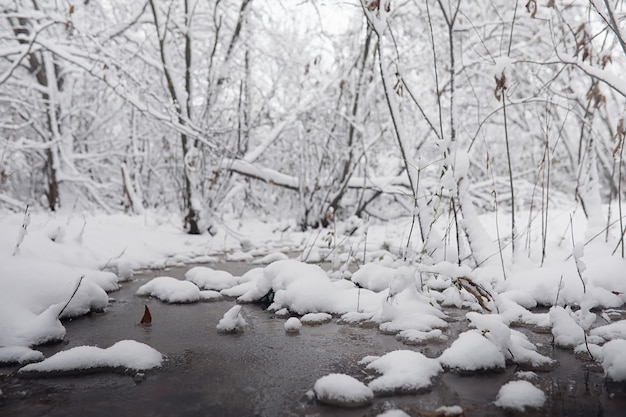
(266, 372)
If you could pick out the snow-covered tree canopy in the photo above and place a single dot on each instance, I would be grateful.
(364, 107)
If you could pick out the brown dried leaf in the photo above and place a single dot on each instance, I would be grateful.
(500, 86)
(373, 5)
(147, 317)
(585, 54)
(531, 6)
(606, 59)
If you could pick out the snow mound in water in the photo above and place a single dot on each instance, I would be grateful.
(403, 371)
(616, 330)
(513, 344)
(374, 276)
(518, 395)
(21, 327)
(19, 354)
(567, 333)
(172, 290)
(614, 360)
(232, 321)
(293, 325)
(472, 351)
(37, 284)
(210, 279)
(316, 318)
(127, 354)
(393, 413)
(342, 391)
(269, 258)
(303, 288)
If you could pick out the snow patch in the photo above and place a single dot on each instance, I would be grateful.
(19, 354)
(232, 321)
(209, 279)
(614, 360)
(172, 290)
(342, 391)
(127, 354)
(472, 352)
(293, 325)
(518, 395)
(403, 371)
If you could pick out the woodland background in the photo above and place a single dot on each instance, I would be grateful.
(436, 109)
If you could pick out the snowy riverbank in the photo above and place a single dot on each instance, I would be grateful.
(369, 281)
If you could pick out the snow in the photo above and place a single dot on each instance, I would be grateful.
(19, 326)
(518, 395)
(513, 344)
(453, 410)
(315, 318)
(247, 282)
(567, 333)
(614, 360)
(305, 288)
(374, 276)
(127, 354)
(403, 298)
(343, 391)
(172, 290)
(393, 413)
(209, 279)
(271, 257)
(616, 330)
(502, 65)
(232, 321)
(525, 375)
(472, 351)
(39, 283)
(293, 325)
(417, 337)
(403, 371)
(19, 354)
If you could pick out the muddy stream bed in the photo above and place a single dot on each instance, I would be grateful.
(266, 372)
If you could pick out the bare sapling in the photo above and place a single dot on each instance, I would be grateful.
(80, 280)
(621, 134)
(22, 232)
(578, 251)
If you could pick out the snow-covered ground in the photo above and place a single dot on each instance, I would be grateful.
(64, 265)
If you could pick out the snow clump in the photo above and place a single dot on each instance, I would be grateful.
(518, 395)
(209, 279)
(566, 331)
(393, 413)
(232, 321)
(472, 352)
(342, 391)
(614, 360)
(127, 354)
(315, 318)
(172, 290)
(293, 325)
(403, 371)
(304, 288)
(19, 354)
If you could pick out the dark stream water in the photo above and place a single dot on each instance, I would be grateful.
(266, 372)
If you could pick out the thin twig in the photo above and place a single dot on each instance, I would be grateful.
(72, 296)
